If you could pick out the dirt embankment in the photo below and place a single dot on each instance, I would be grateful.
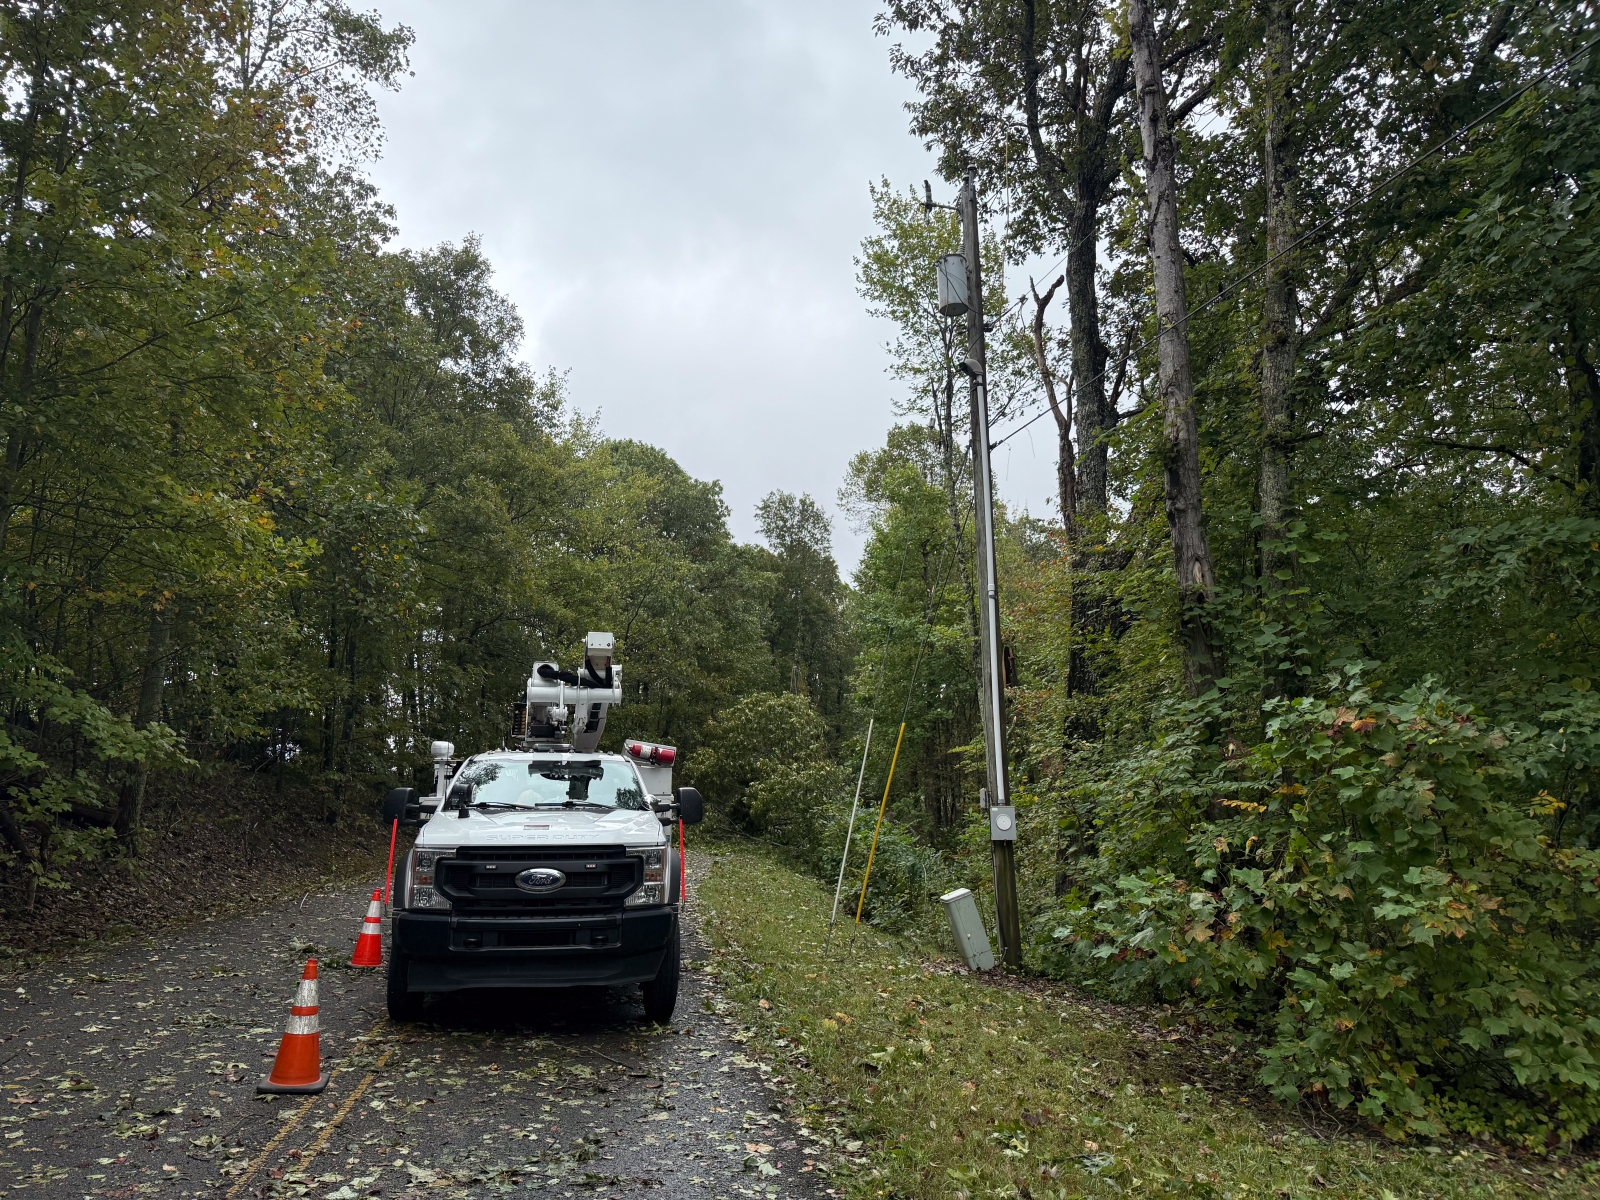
(210, 846)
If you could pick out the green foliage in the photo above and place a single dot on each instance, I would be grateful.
(800, 806)
(754, 748)
(1392, 885)
(907, 875)
(38, 694)
(1384, 880)
(805, 627)
(913, 617)
(764, 771)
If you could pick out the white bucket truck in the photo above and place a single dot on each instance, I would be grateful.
(550, 865)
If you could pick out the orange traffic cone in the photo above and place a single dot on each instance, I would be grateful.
(369, 946)
(298, 1069)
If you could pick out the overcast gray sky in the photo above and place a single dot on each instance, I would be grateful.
(672, 195)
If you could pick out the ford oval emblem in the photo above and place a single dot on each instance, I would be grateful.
(540, 879)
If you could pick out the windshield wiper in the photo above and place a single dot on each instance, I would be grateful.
(501, 804)
(587, 805)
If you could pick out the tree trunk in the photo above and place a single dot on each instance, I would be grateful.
(1088, 363)
(1281, 302)
(17, 840)
(130, 809)
(1191, 552)
(1098, 164)
(1066, 468)
(1077, 191)
(33, 326)
(1583, 381)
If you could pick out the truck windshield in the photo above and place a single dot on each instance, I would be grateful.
(586, 782)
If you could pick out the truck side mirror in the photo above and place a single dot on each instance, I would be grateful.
(691, 808)
(403, 804)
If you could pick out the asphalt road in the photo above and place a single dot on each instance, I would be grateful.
(132, 1071)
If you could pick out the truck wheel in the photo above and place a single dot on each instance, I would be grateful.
(661, 993)
(404, 1006)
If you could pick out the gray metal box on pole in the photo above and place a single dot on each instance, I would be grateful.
(951, 274)
(967, 926)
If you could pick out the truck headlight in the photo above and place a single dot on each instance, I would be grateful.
(419, 891)
(654, 888)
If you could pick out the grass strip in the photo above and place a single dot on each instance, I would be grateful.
(932, 1083)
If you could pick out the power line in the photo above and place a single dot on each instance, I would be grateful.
(1327, 221)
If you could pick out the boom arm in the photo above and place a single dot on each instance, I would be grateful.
(590, 693)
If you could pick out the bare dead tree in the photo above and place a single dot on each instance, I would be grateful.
(1066, 466)
(1191, 550)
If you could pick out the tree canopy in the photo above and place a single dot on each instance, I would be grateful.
(279, 499)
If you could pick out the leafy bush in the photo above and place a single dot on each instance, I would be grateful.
(765, 772)
(764, 738)
(906, 873)
(1390, 883)
(793, 804)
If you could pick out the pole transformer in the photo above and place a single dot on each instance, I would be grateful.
(991, 667)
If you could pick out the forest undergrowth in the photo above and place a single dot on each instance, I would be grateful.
(217, 847)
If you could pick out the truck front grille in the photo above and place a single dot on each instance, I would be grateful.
(481, 880)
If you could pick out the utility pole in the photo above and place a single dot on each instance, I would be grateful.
(991, 668)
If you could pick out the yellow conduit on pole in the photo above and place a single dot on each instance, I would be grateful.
(865, 879)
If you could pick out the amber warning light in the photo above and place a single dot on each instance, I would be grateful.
(649, 752)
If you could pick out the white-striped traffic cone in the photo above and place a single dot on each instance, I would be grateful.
(298, 1069)
(369, 946)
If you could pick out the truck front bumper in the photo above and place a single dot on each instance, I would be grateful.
(446, 953)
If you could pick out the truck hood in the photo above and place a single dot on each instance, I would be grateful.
(551, 827)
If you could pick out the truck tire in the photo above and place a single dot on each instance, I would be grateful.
(661, 993)
(405, 1006)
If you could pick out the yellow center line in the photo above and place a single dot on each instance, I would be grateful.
(321, 1144)
(290, 1124)
(288, 1128)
